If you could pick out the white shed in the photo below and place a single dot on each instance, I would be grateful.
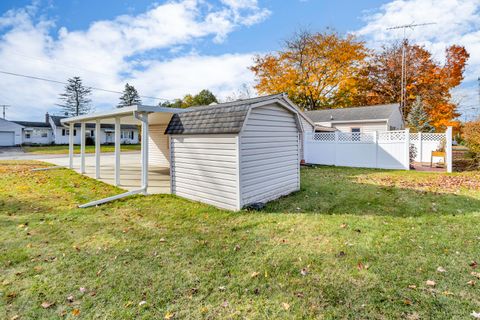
(229, 155)
(10, 133)
(234, 154)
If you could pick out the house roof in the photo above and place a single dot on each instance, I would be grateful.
(220, 118)
(378, 112)
(33, 124)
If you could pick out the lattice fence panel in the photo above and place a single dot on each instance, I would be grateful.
(323, 136)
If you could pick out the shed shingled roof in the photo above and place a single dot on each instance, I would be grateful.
(220, 118)
(377, 112)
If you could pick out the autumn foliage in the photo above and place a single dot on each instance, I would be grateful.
(325, 70)
(316, 70)
(471, 135)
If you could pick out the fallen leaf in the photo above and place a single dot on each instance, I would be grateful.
(431, 283)
(75, 312)
(471, 283)
(15, 317)
(141, 303)
(407, 302)
(476, 315)
(46, 304)
(343, 225)
(162, 240)
(236, 248)
(441, 270)
(82, 290)
(70, 298)
(169, 315)
(412, 286)
(225, 304)
(304, 272)
(254, 274)
(221, 288)
(473, 264)
(475, 274)
(285, 306)
(360, 266)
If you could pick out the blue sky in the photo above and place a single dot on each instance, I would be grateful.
(169, 48)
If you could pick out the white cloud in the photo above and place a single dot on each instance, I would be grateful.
(457, 22)
(106, 54)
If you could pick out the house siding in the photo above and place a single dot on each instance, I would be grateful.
(395, 122)
(158, 149)
(204, 168)
(365, 127)
(269, 155)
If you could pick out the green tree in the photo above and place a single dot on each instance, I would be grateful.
(203, 98)
(75, 99)
(417, 119)
(129, 97)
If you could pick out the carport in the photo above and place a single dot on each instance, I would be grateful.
(144, 173)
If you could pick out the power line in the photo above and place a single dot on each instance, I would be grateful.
(61, 82)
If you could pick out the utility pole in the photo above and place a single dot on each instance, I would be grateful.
(5, 107)
(403, 81)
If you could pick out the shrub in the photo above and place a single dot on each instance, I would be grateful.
(471, 134)
(89, 141)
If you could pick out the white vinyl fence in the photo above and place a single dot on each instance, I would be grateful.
(386, 150)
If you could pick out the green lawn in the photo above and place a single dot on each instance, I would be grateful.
(353, 243)
(63, 149)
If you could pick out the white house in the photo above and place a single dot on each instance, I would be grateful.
(128, 135)
(51, 131)
(10, 133)
(359, 119)
(229, 155)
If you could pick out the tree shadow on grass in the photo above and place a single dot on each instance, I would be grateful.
(329, 190)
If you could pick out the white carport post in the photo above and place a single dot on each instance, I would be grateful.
(117, 151)
(82, 148)
(97, 149)
(144, 147)
(448, 149)
(70, 145)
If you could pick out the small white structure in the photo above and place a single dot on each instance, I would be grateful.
(10, 133)
(359, 119)
(36, 132)
(229, 155)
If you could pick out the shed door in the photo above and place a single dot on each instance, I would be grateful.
(7, 138)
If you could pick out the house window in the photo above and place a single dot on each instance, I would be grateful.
(355, 134)
(44, 135)
(74, 132)
(64, 132)
(131, 135)
(27, 135)
(357, 130)
(91, 133)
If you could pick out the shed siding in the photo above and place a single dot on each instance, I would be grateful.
(204, 168)
(307, 127)
(158, 150)
(269, 155)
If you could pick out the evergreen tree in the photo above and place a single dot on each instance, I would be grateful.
(129, 97)
(75, 99)
(417, 119)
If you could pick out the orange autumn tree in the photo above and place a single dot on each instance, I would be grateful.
(316, 70)
(379, 81)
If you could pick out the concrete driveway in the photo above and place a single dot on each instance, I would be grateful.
(130, 172)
